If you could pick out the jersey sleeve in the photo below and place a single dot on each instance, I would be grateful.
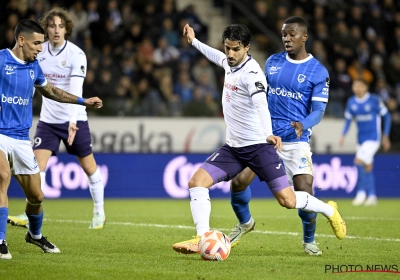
(255, 81)
(79, 65)
(382, 107)
(347, 113)
(321, 85)
(40, 80)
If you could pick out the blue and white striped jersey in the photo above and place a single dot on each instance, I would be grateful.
(292, 87)
(367, 112)
(17, 81)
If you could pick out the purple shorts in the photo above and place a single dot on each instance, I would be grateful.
(262, 159)
(48, 137)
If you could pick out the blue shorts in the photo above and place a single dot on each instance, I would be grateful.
(262, 159)
(48, 137)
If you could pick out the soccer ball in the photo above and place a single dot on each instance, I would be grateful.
(214, 246)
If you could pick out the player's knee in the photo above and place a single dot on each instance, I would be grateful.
(287, 202)
(35, 200)
(5, 178)
(237, 185)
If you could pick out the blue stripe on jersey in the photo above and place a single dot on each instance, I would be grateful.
(16, 90)
(367, 113)
(292, 86)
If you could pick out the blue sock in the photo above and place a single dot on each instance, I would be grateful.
(370, 182)
(35, 223)
(3, 222)
(309, 221)
(240, 205)
(361, 182)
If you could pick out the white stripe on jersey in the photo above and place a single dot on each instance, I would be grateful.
(58, 67)
(241, 116)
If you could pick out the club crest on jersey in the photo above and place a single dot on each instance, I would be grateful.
(367, 108)
(32, 74)
(301, 78)
(63, 63)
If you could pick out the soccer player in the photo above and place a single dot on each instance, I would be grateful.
(368, 110)
(249, 138)
(298, 88)
(64, 64)
(20, 73)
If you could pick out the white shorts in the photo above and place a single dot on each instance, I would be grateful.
(297, 159)
(19, 155)
(367, 150)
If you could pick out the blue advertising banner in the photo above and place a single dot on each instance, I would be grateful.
(166, 176)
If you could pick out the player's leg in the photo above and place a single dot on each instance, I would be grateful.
(26, 171)
(240, 199)
(365, 181)
(82, 148)
(5, 177)
(220, 166)
(267, 167)
(96, 188)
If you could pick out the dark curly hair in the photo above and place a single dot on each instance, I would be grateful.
(61, 13)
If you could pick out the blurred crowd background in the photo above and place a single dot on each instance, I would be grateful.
(140, 65)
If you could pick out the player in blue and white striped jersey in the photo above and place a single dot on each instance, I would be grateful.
(367, 109)
(20, 74)
(298, 90)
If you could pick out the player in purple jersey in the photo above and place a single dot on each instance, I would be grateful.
(19, 75)
(298, 87)
(248, 139)
(65, 122)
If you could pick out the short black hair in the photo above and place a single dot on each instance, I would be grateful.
(27, 26)
(299, 20)
(238, 33)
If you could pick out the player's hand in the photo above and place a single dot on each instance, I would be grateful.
(276, 141)
(93, 102)
(386, 143)
(341, 141)
(298, 128)
(189, 33)
(72, 129)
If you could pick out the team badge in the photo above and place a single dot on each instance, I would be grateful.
(63, 63)
(367, 108)
(301, 78)
(32, 74)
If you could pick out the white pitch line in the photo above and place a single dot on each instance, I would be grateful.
(226, 229)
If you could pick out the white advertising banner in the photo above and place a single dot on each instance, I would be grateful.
(189, 135)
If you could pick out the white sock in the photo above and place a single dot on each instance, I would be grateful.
(96, 188)
(42, 179)
(200, 205)
(307, 202)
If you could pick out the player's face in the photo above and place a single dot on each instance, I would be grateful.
(359, 88)
(31, 45)
(56, 31)
(235, 52)
(293, 38)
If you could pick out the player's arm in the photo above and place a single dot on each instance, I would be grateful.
(387, 123)
(54, 93)
(348, 117)
(318, 110)
(212, 54)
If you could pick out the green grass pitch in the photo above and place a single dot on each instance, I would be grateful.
(136, 242)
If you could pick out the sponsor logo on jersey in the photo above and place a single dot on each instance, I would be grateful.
(327, 81)
(54, 76)
(301, 78)
(230, 87)
(259, 85)
(83, 69)
(325, 91)
(17, 100)
(283, 92)
(274, 70)
(364, 118)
